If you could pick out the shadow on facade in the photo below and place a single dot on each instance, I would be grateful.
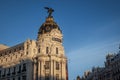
(26, 70)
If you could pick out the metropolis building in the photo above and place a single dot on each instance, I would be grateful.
(40, 59)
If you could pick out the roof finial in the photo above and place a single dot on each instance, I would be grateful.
(50, 11)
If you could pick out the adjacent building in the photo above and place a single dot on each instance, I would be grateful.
(111, 71)
(40, 59)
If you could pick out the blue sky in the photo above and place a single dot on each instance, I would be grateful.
(91, 28)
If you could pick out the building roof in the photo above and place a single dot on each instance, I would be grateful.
(2, 46)
(48, 25)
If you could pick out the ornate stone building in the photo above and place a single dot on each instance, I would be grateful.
(111, 71)
(41, 59)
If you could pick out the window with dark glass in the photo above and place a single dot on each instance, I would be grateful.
(57, 65)
(24, 77)
(47, 64)
(47, 50)
(27, 53)
(0, 73)
(6, 59)
(18, 78)
(19, 69)
(9, 51)
(24, 67)
(56, 50)
(14, 68)
(20, 48)
(8, 72)
(4, 73)
(39, 50)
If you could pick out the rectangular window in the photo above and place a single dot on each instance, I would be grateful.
(47, 64)
(13, 78)
(0, 73)
(18, 78)
(27, 53)
(8, 72)
(57, 65)
(20, 48)
(19, 69)
(24, 67)
(47, 50)
(4, 73)
(14, 68)
(24, 77)
(56, 50)
(39, 50)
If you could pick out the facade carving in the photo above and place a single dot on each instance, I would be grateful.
(41, 59)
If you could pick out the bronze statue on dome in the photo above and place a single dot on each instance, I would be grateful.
(50, 11)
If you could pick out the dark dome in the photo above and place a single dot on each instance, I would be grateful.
(48, 26)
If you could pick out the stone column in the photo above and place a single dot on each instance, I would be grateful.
(34, 70)
(54, 70)
(51, 69)
(42, 70)
(63, 70)
(38, 70)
